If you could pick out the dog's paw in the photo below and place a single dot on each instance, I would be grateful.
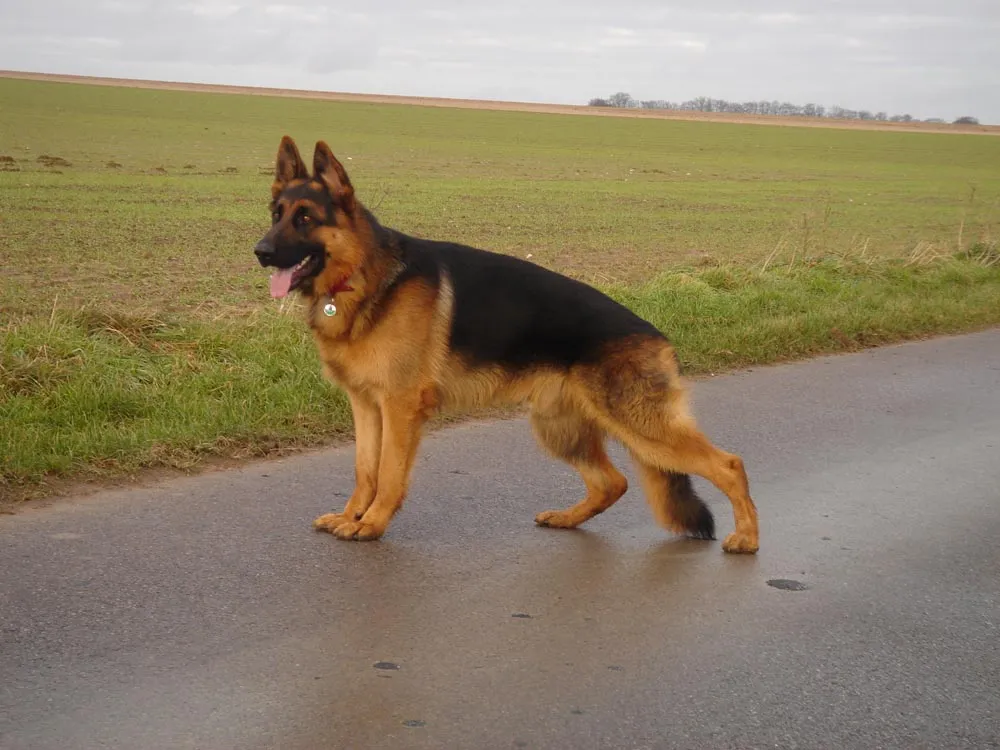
(557, 519)
(330, 522)
(739, 543)
(357, 531)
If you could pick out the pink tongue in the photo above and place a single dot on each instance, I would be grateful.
(280, 282)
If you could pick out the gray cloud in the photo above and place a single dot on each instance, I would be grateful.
(914, 56)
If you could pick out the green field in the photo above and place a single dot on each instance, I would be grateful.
(137, 329)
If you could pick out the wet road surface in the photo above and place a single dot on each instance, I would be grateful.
(205, 613)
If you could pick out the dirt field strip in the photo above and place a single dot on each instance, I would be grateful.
(556, 109)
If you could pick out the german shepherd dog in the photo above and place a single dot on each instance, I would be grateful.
(408, 326)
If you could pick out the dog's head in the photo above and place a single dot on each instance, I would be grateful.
(314, 241)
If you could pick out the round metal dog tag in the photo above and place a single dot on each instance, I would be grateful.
(329, 309)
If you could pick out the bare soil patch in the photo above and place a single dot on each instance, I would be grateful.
(52, 161)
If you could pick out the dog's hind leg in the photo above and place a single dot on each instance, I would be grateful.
(636, 394)
(685, 450)
(568, 435)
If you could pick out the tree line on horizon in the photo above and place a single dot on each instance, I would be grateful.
(622, 100)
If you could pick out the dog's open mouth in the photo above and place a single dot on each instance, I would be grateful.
(285, 280)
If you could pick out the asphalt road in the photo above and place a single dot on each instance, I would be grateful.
(205, 613)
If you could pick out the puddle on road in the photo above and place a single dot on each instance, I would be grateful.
(787, 584)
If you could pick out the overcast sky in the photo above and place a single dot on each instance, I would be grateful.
(928, 59)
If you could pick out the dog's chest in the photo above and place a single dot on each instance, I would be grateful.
(363, 368)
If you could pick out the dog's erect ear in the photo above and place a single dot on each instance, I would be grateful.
(289, 166)
(332, 173)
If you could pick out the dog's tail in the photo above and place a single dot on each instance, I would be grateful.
(676, 505)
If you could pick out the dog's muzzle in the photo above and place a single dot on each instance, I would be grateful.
(264, 252)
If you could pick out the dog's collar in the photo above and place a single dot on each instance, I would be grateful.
(330, 309)
(340, 286)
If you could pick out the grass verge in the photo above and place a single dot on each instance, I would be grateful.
(95, 394)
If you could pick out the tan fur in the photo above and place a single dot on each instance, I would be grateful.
(566, 434)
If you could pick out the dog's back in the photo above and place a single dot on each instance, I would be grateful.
(514, 314)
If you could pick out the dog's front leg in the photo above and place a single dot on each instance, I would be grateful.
(368, 446)
(402, 420)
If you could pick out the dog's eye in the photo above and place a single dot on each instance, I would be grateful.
(276, 216)
(303, 220)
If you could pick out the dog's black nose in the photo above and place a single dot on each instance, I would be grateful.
(264, 252)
